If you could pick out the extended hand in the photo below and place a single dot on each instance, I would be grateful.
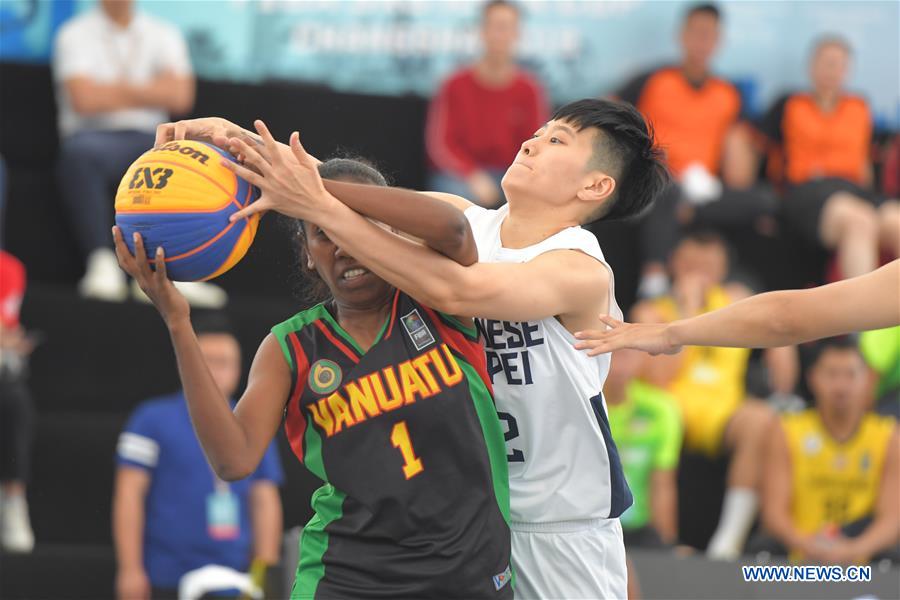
(171, 305)
(649, 337)
(290, 184)
(214, 130)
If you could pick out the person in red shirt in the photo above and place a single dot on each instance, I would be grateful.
(697, 119)
(482, 114)
(16, 410)
(820, 144)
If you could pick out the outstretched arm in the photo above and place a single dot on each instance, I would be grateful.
(572, 283)
(870, 301)
(234, 442)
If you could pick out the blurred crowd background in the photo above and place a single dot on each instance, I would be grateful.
(780, 123)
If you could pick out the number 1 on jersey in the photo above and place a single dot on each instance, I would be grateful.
(412, 465)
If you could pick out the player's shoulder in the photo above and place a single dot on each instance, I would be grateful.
(299, 320)
(528, 80)
(461, 77)
(856, 101)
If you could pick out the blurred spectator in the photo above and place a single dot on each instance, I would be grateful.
(696, 119)
(2, 199)
(821, 143)
(119, 73)
(16, 410)
(482, 114)
(645, 423)
(708, 383)
(881, 349)
(171, 514)
(833, 471)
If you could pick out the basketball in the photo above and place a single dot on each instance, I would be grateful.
(179, 196)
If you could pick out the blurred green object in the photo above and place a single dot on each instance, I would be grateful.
(881, 349)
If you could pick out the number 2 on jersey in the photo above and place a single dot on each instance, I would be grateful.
(412, 465)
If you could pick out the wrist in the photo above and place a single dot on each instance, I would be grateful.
(672, 334)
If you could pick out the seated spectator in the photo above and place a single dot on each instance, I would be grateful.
(823, 138)
(16, 410)
(482, 113)
(171, 514)
(696, 117)
(645, 423)
(881, 349)
(708, 383)
(119, 73)
(833, 471)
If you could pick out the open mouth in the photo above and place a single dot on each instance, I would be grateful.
(351, 274)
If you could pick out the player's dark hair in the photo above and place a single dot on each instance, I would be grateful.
(308, 286)
(839, 343)
(830, 39)
(489, 6)
(624, 149)
(212, 322)
(704, 8)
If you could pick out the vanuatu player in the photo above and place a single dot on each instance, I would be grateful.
(384, 399)
(773, 319)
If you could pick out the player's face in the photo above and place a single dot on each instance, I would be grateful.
(351, 284)
(708, 262)
(500, 32)
(829, 67)
(700, 38)
(553, 165)
(839, 381)
(223, 357)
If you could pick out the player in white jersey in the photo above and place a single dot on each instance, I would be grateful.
(541, 277)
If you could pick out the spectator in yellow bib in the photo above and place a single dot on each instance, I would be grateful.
(832, 472)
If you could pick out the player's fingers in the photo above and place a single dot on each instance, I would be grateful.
(126, 260)
(612, 323)
(260, 206)
(242, 171)
(299, 151)
(254, 156)
(161, 275)
(179, 130)
(163, 134)
(140, 257)
(587, 334)
(268, 141)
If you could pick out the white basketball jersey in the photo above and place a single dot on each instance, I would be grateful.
(563, 464)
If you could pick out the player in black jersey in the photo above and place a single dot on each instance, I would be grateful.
(388, 402)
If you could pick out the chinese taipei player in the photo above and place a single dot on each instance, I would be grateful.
(541, 278)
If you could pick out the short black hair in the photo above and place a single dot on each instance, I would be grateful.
(309, 287)
(212, 322)
(626, 150)
(489, 6)
(839, 343)
(704, 8)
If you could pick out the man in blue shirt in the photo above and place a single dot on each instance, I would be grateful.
(171, 514)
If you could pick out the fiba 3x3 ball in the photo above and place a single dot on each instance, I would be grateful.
(179, 196)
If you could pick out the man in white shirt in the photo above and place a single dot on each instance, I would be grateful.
(118, 73)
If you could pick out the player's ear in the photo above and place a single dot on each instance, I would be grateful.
(597, 188)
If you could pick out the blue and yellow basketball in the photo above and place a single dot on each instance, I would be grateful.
(179, 196)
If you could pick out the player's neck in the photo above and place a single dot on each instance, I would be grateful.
(526, 225)
(840, 427)
(363, 324)
(495, 71)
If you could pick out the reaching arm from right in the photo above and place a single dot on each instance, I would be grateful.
(870, 301)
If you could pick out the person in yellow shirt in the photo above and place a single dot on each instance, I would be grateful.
(708, 383)
(832, 487)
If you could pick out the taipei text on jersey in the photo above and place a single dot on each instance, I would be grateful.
(406, 438)
(563, 464)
